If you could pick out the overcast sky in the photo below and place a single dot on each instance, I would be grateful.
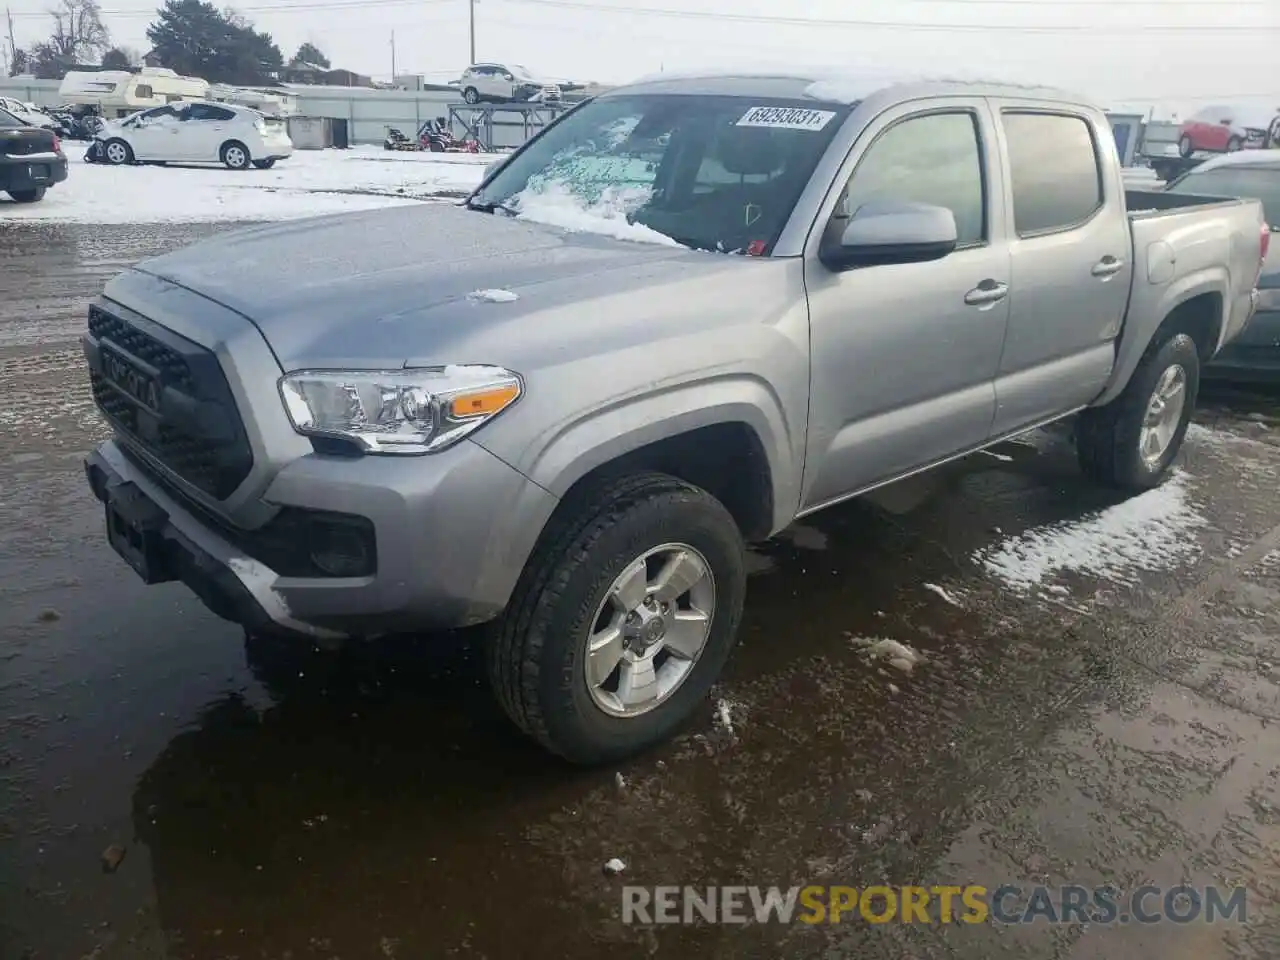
(1174, 54)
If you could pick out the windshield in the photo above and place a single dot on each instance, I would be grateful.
(708, 172)
(1253, 183)
(7, 119)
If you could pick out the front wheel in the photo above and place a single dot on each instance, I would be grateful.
(266, 164)
(1130, 442)
(117, 152)
(471, 95)
(1185, 147)
(34, 195)
(622, 619)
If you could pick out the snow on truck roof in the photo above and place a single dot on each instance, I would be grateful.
(835, 85)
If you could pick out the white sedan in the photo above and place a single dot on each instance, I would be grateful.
(196, 131)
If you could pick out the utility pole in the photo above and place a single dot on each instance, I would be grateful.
(13, 46)
(393, 56)
(472, 5)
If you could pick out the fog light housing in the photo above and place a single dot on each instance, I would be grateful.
(341, 550)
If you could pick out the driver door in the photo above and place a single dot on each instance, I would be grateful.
(904, 355)
(149, 133)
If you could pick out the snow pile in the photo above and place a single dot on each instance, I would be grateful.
(310, 183)
(493, 296)
(555, 205)
(944, 594)
(1152, 532)
(899, 655)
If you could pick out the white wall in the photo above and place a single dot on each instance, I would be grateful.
(43, 93)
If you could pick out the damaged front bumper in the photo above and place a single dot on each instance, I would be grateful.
(163, 542)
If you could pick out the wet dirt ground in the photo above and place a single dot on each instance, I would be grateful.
(372, 803)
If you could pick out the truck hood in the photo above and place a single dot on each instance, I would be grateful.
(437, 283)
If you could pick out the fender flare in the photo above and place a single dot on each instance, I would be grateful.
(609, 432)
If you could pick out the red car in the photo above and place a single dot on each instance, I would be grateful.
(1226, 129)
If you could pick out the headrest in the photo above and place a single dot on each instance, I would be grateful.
(748, 151)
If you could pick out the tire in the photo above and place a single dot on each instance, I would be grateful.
(266, 164)
(116, 152)
(34, 195)
(471, 95)
(1185, 147)
(1109, 438)
(435, 147)
(536, 653)
(1234, 144)
(235, 155)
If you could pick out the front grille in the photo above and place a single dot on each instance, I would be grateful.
(196, 432)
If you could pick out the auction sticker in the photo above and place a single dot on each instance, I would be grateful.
(786, 118)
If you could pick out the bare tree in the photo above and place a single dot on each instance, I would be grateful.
(78, 31)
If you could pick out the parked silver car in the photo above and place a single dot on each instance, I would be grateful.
(500, 83)
(1255, 354)
(687, 313)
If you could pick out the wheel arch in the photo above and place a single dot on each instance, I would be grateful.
(1196, 305)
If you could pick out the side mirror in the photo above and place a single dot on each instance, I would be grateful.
(893, 231)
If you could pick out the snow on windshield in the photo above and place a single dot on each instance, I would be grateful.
(583, 189)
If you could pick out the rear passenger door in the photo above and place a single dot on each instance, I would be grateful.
(1070, 254)
(904, 356)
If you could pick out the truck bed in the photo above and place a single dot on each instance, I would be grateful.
(1148, 204)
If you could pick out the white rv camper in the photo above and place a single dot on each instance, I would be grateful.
(118, 93)
(273, 102)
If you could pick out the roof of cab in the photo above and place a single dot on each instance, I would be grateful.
(831, 86)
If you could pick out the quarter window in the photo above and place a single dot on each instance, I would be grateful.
(934, 159)
(1053, 167)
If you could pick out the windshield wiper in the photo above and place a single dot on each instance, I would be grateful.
(491, 206)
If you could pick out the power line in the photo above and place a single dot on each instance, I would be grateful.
(895, 24)
(304, 7)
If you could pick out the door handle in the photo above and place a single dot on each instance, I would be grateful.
(1108, 266)
(987, 294)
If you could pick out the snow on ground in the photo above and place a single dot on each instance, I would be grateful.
(309, 183)
(1150, 532)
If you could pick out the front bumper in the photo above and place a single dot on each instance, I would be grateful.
(28, 173)
(453, 532)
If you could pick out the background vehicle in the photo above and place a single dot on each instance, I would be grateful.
(1255, 354)
(495, 82)
(1225, 129)
(196, 132)
(26, 113)
(119, 93)
(31, 159)
(442, 416)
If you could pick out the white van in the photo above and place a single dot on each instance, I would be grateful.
(118, 93)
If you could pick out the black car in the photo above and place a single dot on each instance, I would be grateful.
(31, 159)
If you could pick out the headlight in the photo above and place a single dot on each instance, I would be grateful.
(398, 411)
(1269, 299)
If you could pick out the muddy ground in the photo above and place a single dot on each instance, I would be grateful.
(1115, 723)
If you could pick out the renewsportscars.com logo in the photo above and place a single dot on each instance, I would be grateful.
(932, 905)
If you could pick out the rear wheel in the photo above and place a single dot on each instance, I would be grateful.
(117, 152)
(235, 155)
(622, 619)
(471, 95)
(1234, 144)
(34, 195)
(1130, 442)
(266, 164)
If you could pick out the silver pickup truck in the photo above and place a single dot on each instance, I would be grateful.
(681, 317)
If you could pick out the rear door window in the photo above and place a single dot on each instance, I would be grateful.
(1054, 170)
(1255, 183)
